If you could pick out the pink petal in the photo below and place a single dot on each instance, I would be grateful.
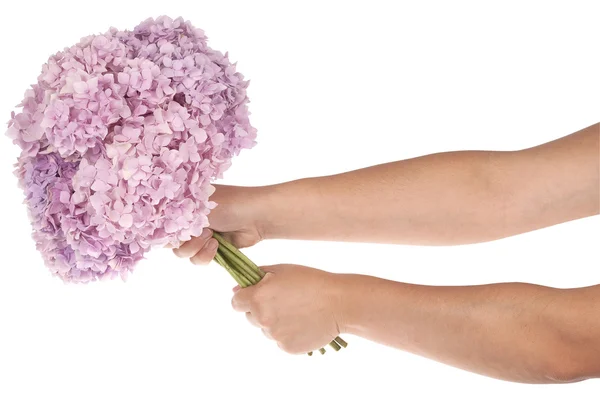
(123, 78)
(199, 134)
(132, 133)
(218, 139)
(167, 48)
(119, 206)
(80, 87)
(126, 220)
(134, 247)
(170, 226)
(100, 186)
(65, 197)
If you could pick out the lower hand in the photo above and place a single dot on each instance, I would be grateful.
(296, 306)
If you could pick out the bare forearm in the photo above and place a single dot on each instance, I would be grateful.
(446, 198)
(516, 332)
(436, 199)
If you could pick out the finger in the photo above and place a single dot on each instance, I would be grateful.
(251, 319)
(193, 246)
(267, 334)
(206, 254)
(241, 300)
(236, 288)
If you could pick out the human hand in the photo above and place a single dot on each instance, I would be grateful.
(296, 306)
(236, 216)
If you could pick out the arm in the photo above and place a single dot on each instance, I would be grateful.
(443, 199)
(439, 199)
(517, 332)
(513, 331)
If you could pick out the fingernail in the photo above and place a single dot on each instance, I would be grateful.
(236, 288)
(212, 245)
(206, 233)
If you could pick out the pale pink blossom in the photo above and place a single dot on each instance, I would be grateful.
(120, 137)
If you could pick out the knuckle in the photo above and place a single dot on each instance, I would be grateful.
(257, 297)
(260, 297)
(277, 333)
(256, 305)
(264, 320)
(251, 319)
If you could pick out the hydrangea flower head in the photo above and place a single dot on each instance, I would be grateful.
(120, 138)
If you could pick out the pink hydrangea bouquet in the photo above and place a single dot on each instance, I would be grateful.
(120, 139)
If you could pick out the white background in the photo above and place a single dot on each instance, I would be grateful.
(334, 86)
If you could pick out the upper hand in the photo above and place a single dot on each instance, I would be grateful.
(236, 217)
(296, 306)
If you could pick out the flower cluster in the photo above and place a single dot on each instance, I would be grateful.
(120, 138)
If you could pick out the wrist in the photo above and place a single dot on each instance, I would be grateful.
(355, 299)
(266, 202)
(342, 300)
(279, 210)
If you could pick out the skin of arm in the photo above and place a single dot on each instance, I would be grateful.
(512, 331)
(444, 199)
(440, 199)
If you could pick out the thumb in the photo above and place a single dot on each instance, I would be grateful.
(272, 268)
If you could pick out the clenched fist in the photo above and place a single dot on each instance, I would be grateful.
(296, 306)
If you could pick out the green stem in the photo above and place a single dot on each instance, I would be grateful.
(240, 267)
(237, 252)
(335, 345)
(233, 258)
(222, 263)
(341, 342)
(237, 275)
